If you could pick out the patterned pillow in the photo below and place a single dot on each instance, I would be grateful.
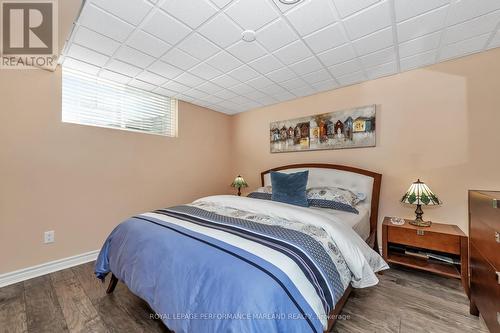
(333, 198)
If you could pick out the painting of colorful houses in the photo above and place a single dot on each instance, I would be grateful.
(352, 128)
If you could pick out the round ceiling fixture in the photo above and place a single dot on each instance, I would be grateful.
(289, 2)
(248, 35)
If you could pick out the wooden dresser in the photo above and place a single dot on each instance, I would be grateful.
(484, 243)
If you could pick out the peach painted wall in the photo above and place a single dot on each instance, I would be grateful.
(439, 124)
(81, 181)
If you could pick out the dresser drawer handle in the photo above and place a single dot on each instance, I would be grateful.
(497, 236)
(495, 203)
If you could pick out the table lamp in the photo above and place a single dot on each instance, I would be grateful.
(419, 194)
(238, 183)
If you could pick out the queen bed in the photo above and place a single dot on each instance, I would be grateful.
(242, 264)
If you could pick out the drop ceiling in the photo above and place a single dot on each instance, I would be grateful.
(192, 49)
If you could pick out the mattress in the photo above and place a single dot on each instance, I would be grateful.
(360, 223)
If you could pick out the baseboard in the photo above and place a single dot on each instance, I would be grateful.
(46, 268)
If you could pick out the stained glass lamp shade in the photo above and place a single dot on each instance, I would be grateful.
(420, 194)
(238, 183)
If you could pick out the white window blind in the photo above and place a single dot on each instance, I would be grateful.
(89, 100)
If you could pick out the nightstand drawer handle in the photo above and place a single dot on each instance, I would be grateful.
(498, 277)
(420, 232)
(497, 236)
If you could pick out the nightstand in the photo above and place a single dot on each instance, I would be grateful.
(441, 249)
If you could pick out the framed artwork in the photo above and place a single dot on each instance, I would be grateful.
(352, 128)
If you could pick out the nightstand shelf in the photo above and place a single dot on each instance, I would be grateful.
(416, 247)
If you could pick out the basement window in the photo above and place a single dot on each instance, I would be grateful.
(90, 100)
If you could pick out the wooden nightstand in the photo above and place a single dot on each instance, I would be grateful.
(407, 244)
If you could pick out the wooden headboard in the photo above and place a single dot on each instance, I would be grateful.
(349, 174)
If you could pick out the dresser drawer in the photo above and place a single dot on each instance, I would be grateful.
(486, 208)
(485, 240)
(425, 239)
(485, 289)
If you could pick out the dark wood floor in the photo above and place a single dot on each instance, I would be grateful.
(72, 300)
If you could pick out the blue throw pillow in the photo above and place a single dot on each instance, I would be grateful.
(290, 188)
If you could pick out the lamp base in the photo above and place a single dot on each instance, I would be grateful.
(419, 222)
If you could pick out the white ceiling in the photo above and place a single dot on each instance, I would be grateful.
(192, 49)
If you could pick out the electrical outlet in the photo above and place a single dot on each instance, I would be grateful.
(49, 237)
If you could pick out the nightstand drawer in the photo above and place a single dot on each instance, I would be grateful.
(424, 239)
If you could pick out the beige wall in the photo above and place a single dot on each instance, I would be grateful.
(439, 124)
(81, 181)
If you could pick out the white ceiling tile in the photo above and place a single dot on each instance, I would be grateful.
(198, 94)
(224, 61)
(141, 85)
(96, 41)
(481, 25)
(243, 73)
(209, 88)
(255, 95)
(327, 38)
(176, 86)
(276, 35)
(115, 77)
(382, 70)
(225, 94)
(418, 60)
(123, 68)
(274, 90)
(325, 85)
(303, 91)
(406, 9)
(310, 16)
(420, 45)
(283, 7)
(266, 64)
(352, 78)
(148, 44)
(80, 66)
(293, 83)
(151, 78)
(92, 17)
(164, 92)
(376, 41)
(466, 9)
(368, 20)
(81, 53)
(132, 11)
(192, 12)
(221, 30)
(495, 42)
(465, 47)
(189, 80)
(166, 28)
(205, 71)
(317, 76)
(134, 57)
(198, 46)
(344, 68)
(225, 81)
(221, 3)
(349, 7)
(281, 75)
(164, 69)
(252, 14)
(292, 53)
(306, 66)
(378, 58)
(284, 96)
(337, 55)
(260, 82)
(246, 52)
(179, 58)
(422, 25)
(241, 89)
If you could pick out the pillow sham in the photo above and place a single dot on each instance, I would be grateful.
(290, 188)
(333, 198)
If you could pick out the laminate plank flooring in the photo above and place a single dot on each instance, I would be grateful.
(73, 300)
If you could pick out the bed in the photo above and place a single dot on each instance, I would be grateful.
(237, 264)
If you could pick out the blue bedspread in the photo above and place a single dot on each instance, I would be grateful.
(185, 263)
